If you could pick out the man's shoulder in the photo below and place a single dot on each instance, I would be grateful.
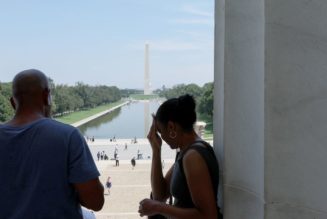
(58, 123)
(54, 124)
(58, 130)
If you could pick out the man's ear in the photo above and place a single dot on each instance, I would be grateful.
(47, 97)
(12, 102)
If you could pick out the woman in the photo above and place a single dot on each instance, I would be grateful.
(193, 179)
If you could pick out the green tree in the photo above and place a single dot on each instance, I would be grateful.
(202, 95)
(6, 111)
(66, 100)
(205, 104)
(182, 89)
(82, 96)
(82, 90)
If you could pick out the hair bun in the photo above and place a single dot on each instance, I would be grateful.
(180, 110)
(186, 101)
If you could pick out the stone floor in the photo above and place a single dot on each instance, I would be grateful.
(129, 186)
(142, 146)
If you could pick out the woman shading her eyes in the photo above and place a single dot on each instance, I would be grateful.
(193, 179)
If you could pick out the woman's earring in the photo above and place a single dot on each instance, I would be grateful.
(172, 135)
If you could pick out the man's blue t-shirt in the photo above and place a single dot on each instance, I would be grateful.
(39, 162)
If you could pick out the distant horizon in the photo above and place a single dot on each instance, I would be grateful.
(103, 42)
(133, 88)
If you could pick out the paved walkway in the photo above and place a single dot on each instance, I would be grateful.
(133, 149)
(90, 118)
(128, 187)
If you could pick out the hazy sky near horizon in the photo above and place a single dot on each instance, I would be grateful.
(102, 41)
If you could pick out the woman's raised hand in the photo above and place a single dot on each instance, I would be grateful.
(153, 136)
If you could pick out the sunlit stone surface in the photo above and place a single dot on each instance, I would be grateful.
(270, 57)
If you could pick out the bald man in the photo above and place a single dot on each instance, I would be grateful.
(46, 168)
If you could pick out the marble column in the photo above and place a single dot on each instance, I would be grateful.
(295, 109)
(244, 109)
(218, 118)
(270, 106)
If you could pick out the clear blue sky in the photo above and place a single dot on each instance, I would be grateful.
(102, 41)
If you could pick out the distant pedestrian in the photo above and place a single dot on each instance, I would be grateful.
(108, 184)
(116, 151)
(117, 160)
(98, 155)
(125, 146)
(133, 162)
(101, 156)
(139, 155)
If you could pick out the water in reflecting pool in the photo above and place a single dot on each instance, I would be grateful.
(132, 120)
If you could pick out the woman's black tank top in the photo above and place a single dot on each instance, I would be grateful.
(179, 188)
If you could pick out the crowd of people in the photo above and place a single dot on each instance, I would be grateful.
(91, 139)
(65, 177)
(102, 155)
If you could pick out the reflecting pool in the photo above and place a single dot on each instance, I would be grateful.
(129, 121)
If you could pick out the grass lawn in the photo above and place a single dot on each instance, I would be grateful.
(208, 135)
(143, 97)
(77, 116)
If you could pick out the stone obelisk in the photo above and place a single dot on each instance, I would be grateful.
(146, 71)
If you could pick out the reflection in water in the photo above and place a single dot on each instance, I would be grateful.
(132, 120)
(96, 123)
(146, 117)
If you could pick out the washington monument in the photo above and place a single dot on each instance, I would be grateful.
(147, 90)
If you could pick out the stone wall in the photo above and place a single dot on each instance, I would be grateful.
(270, 105)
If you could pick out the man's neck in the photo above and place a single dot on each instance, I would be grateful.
(23, 118)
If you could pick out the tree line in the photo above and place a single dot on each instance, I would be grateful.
(67, 99)
(6, 111)
(81, 96)
(202, 95)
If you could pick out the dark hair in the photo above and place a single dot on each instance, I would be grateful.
(180, 110)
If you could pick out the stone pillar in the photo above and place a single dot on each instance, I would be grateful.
(270, 77)
(295, 109)
(218, 109)
(244, 109)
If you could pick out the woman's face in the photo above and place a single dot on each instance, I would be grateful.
(164, 133)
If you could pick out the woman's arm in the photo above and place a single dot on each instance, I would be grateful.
(151, 207)
(159, 183)
(201, 189)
